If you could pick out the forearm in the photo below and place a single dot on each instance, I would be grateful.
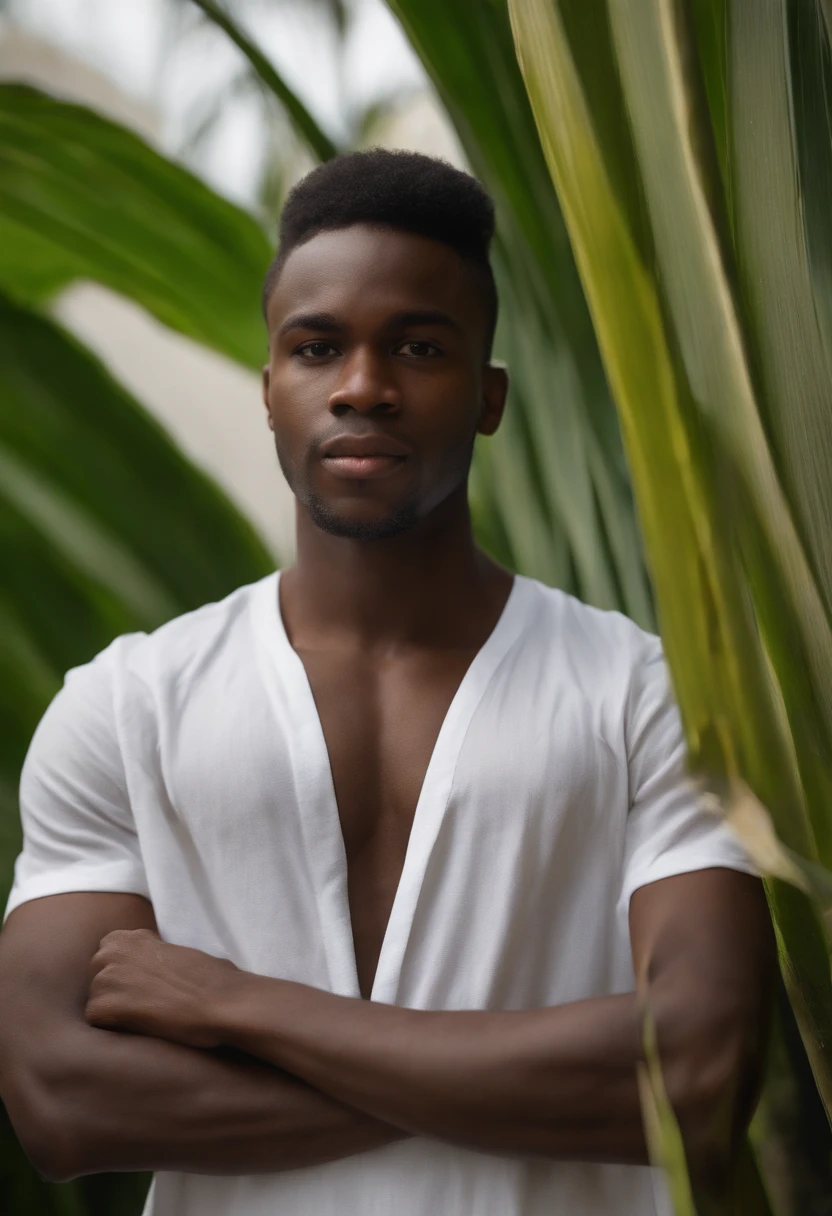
(125, 1102)
(561, 1082)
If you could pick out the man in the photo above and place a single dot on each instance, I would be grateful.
(408, 828)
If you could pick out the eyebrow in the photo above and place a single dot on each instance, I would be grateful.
(325, 322)
(424, 316)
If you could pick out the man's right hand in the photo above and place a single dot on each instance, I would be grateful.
(142, 984)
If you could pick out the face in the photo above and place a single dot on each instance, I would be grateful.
(377, 381)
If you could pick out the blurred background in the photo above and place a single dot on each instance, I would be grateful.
(146, 147)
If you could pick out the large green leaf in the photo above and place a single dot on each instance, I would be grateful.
(81, 197)
(781, 159)
(79, 455)
(733, 545)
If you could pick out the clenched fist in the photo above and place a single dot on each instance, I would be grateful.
(142, 984)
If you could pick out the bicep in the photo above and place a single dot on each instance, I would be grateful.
(712, 924)
(45, 952)
(46, 944)
(714, 918)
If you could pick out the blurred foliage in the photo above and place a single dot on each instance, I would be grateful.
(319, 143)
(692, 163)
(81, 197)
(694, 178)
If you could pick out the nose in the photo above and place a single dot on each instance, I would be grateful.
(365, 385)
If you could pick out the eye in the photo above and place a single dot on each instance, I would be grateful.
(316, 350)
(419, 350)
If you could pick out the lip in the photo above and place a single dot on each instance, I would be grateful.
(362, 467)
(362, 457)
(369, 445)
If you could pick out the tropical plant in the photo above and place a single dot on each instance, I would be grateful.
(690, 148)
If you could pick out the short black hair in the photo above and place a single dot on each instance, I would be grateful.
(393, 189)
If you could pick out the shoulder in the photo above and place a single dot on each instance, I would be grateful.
(619, 671)
(122, 690)
(600, 647)
(170, 655)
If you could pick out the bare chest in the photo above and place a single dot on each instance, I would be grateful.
(380, 723)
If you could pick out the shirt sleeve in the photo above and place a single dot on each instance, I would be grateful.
(78, 829)
(668, 830)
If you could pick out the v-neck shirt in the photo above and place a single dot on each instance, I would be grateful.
(190, 766)
(292, 696)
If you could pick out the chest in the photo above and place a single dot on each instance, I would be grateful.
(380, 721)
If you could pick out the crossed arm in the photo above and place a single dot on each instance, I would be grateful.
(229, 1073)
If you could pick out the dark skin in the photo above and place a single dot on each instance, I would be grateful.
(376, 386)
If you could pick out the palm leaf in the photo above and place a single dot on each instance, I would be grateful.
(733, 552)
(81, 197)
(661, 1129)
(316, 139)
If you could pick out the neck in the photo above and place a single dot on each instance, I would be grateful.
(430, 585)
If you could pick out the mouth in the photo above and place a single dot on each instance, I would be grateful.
(362, 466)
(360, 457)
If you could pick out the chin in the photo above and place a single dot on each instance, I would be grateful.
(338, 523)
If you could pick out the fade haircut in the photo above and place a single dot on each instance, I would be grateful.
(393, 189)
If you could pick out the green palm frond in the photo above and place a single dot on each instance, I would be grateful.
(696, 242)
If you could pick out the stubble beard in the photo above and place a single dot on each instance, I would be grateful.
(404, 517)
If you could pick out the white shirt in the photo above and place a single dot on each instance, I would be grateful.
(190, 766)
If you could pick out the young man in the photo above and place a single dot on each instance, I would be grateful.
(408, 828)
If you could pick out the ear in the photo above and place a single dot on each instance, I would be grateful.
(494, 394)
(266, 397)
